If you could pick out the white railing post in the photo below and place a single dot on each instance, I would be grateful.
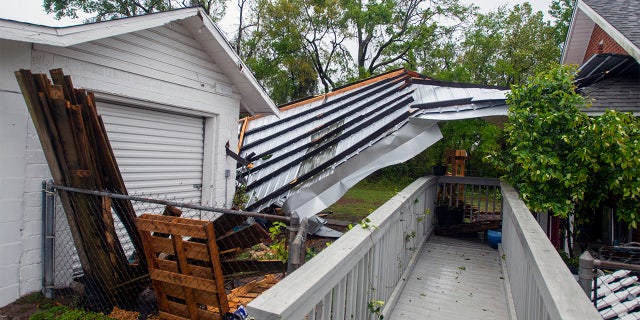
(363, 266)
(542, 286)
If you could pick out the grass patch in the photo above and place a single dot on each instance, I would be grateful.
(364, 198)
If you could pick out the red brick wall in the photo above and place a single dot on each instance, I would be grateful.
(608, 44)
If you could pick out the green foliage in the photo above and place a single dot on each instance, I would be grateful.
(101, 10)
(64, 313)
(559, 159)
(240, 197)
(541, 138)
(364, 197)
(278, 244)
(561, 11)
(505, 47)
(571, 262)
(366, 224)
(375, 307)
(294, 45)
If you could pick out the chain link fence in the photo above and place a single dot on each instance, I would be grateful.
(194, 262)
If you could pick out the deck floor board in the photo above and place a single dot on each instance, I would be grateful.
(454, 279)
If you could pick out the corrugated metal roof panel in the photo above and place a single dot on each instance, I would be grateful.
(311, 139)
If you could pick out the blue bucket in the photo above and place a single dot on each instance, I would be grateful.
(494, 237)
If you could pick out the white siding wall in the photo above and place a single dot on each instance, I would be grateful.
(163, 66)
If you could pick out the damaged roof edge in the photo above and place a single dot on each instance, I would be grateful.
(400, 146)
(339, 90)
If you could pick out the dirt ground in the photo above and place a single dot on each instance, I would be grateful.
(24, 307)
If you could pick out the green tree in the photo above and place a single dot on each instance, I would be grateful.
(561, 11)
(506, 46)
(343, 40)
(100, 10)
(276, 50)
(559, 159)
(388, 33)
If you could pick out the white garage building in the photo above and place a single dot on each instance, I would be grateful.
(170, 89)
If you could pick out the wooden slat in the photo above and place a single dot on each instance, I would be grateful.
(109, 168)
(202, 297)
(182, 309)
(183, 280)
(193, 250)
(244, 238)
(196, 271)
(163, 303)
(173, 228)
(59, 79)
(215, 267)
(171, 219)
(257, 266)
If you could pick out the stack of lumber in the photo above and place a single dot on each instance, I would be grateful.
(79, 155)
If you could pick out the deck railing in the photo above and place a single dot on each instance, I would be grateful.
(541, 286)
(350, 278)
(480, 198)
(369, 264)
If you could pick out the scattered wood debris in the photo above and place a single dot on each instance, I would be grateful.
(77, 149)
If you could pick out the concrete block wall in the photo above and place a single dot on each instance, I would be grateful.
(22, 169)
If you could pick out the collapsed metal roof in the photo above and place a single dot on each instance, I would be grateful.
(320, 147)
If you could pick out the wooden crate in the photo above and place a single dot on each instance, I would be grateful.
(184, 266)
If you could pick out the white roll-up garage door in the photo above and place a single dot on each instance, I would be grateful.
(160, 154)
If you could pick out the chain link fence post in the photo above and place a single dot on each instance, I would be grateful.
(294, 225)
(48, 239)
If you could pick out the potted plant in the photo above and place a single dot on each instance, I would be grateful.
(447, 215)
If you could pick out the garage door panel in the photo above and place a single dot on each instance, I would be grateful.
(154, 140)
(187, 156)
(177, 130)
(160, 154)
(132, 145)
(155, 116)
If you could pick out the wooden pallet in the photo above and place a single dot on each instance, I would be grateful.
(245, 294)
(184, 266)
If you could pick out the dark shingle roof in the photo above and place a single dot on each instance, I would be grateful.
(619, 93)
(624, 15)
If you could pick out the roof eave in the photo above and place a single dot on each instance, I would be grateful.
(616, 35)
(258, 101)
(253, 97)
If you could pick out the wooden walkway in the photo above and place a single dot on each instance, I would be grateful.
(454, 278)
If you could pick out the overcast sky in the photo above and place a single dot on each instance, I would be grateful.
(31, 11)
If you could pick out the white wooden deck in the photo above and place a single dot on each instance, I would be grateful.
(454, 278)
